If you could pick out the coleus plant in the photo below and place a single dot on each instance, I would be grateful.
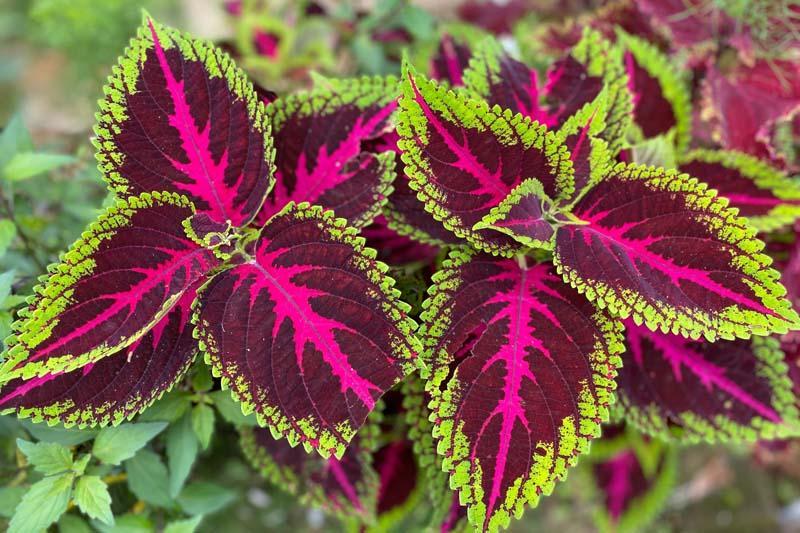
(572, 276)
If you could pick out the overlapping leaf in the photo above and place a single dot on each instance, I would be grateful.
(179, 116)
(534, 364)
(739, 389)
(761, 192)
(464, 159)
(115, 283)
(345, 487)
(450, 60)
(657, 245)
(117, 386)
(308, 332)
(321, 138)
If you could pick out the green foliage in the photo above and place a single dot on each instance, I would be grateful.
(118, 443)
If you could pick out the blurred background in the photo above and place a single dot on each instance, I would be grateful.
(54, 58)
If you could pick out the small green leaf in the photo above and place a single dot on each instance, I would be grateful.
(6, 280)
(42, 505)
(9, 499)
(127, 523)
(25, 165)
(205, 498)
(7, 233)
(231, 410)
(203, 424)
(184, 526)
(80, 465)
(657, 152)
(91, 496)
(148, 478)
(65, 436)
(182, 448)
(201, 379)
(116, 444)
(46, 457)
(168, 409)
(70, 523)
(14, 138)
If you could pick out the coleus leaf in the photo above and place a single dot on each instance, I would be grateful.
(661, 99)
(308, 332)
(569, 87)
(633, 486)
(464, 158)
(522, 215)
(399, 488)
(659, 246)
(671, 386)
(117, 386)
(115, 283)
(762, 193)
(604, 59)
(534, 369)
(590, 155)
(450, 60)
(320, 138)
(345, 487)
(179, 116)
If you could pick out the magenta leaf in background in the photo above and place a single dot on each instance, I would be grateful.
(308, 332)
(179, 116)
(450, 61)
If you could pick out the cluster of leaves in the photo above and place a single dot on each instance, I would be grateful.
(576, 246)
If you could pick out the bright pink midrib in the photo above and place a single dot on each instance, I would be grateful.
(389, 466)
(163, 273)
(619, 486)
(674, 272)
(743, 199)
(298, 300)
(347, 487)
(466, 160)
(451, 60)
(194, 141)
(327, 172)
(582, 137)
(710, 375)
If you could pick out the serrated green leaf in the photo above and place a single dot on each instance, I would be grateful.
(168, 409)
(7, 233)
(9, 499)
(91, 496)
(205, 498)
(184, 526)
(658, 151)
(203, 424)
(231, 410)
(201, 379)
(182, 448)
(67, 437)
(42, 505)
(116, 444)
(46, 457)
(25, 165)
(148, 478)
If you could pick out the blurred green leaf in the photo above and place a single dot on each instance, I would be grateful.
(203, 423)
(6, 280)
(91, 496)
(169, 408)
(184, 526)
(7, 233)
(205, 498)
(42, 505)
(182, 448)
(25, 165)
(127, 523)
(46, 457)
(148, 478)
(69, 523)
(9, 499)
(14, 138)
(231, 410)
(67, 437)
(116, 444)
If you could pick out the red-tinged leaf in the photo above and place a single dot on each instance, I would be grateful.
(657, 245)
(496, 17)
(345, 487)
(569, 87)
(179, 116)
(464, 159)
(534, 374)
(399, 484)
(745, 105)
(690, 22)
(673, 386)
(762, 193)
(308, 332)
(661, 100)
(113, 285)
(394, 248)
(523, 215)
(450, 61)
(589, 153)
(634, 485)
(116, 387)
(320, 138)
